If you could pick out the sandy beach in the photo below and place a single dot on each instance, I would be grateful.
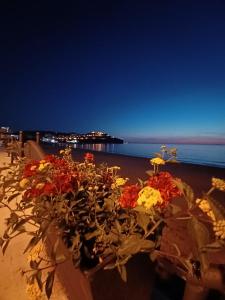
(197, 176)
(12, 284)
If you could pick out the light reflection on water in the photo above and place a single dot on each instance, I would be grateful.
(212, 155)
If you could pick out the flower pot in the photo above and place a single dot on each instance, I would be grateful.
(104, 284)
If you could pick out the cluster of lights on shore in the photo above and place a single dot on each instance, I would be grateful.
(74, 138)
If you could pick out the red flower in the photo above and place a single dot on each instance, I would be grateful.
(63, 182)
(49, 189)
(129, 196)
(89, 157)
(30, 169)
(164, 182)
(56, 162)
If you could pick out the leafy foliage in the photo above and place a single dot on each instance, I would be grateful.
(97, 214)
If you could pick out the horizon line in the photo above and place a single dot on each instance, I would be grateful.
(177, 140)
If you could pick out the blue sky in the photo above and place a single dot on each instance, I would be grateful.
(141, 70)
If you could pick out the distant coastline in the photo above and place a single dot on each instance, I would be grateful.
(176, 143)
(51, 137)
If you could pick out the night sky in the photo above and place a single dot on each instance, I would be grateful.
(141, 70)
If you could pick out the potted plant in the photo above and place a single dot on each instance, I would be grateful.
(85, 214)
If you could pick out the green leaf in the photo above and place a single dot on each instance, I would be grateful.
(124, 260)
(118, 227)
(143, 221)
(130, 245)
(153, 255)
(13, 218)
(33, 264)
(110, 266)
(198, 231)
(8, 183)
(150, 172)
(175, 209)
(179, 185)
(140, 209)
(43, 229)
(215, 246)
(187, 192)
(12, 197)
(60, 258)
(112, 237)
(172, 160)
(49, 283)
(200, 235)
(75, 241)
(38, 279)
(147, 244)
(32, 243)
(54, 249)
(20, 224)
(216, 206)
(123, 272)
(90, 235)
(108, 204)
(173, 151)
(3, 169)
(5, 246)
(5, 235)
(1, 242)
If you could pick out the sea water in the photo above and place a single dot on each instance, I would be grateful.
(211, 155)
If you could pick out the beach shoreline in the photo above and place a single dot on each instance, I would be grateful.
(197, 176)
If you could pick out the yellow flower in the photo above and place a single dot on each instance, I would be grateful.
(42, 166)
(219, 229)
(23, 183)
(116, 168)
(120, 181)
(218, 184)
(157, 161)
(149, 197)
(39, 186)
(211, 215)
(205, 207)
(67, 151)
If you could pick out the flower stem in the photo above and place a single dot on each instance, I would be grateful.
(153, 228)
(210, 191)
(107, 260)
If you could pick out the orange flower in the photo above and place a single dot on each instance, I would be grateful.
(164, 182)
(129, 196)
(89, 157)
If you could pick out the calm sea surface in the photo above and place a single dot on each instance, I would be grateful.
(211, 155)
